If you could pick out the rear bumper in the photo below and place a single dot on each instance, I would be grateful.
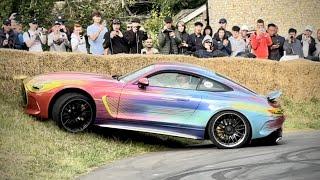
(272, 125)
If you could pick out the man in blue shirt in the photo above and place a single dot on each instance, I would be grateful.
(95, 34)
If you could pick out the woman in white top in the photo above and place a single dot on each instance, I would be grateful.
(78, 42)
(57, 40)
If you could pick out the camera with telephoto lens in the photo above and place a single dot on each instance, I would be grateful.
(168, 31)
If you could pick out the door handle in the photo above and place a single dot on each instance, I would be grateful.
(168, 99)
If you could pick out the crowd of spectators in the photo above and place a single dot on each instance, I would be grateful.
(264, 42)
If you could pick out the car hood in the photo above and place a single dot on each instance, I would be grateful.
(46, 82)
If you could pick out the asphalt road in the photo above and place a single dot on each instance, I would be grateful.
(297, 157)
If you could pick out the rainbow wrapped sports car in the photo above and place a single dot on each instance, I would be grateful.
(165, 98)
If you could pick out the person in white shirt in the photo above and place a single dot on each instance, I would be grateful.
(35, 37)
(57, 40)
(78, 42)
(238, 45)
(149, 47)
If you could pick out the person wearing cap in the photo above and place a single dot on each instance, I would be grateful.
(34, 37)
(169, 38)
(308, 42)
(223, 24)
(8, 39)
(246, 37)
(209, 49)
(183, 46)
(58, 40)
(78, 41)
(195, 39)
(115, 42)
(135, 37)
(260, 41)
(277, 43)
(237, 43)
(96, 32)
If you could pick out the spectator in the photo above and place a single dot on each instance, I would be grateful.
(207, 31)
(169, 38)
(183, 47)
(222, 39)
(246, 37)
(237, 43)
(63, 28)
(78, 42)
(129, 26)
(57, 39)
(292, 46)
(317, 40)
(115, 42)
(260, 41)
(149, 47)
(223, 24)
(8, 39)
(135, 37)
(35, 37)
(281, 40)
(96, 33)
(277, 44)
(209, 49)
(195, 39)
(308, 43)
(19, 34)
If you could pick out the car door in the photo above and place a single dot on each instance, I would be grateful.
(170, 98)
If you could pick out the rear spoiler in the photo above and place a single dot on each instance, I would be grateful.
(272, 96)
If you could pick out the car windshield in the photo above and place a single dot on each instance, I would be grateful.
(133, 75)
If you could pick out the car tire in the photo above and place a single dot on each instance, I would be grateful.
(74, 112)
(229, 129)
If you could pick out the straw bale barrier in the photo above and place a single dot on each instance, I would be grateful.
(298, 80)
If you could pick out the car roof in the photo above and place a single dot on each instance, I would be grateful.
(184, 67)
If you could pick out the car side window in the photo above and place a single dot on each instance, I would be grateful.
(210, 85)
(174, 80)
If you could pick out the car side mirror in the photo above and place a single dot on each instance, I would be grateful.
(143, 82)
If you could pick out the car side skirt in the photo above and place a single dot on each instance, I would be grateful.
(158, 128)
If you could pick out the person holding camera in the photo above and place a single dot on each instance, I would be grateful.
(35, 37)
(114, 41)
(183, 46)
(308, 43)
(245, 34)
(276, 49)
(223, 43)
(8, 39)
(260, 41)
(135, 37)
(78, 42)
(292, 46)
(57, 39)
(169, 38)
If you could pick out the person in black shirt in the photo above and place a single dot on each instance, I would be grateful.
(135, 37)
(8, 39)
(115, 42)
(183, 47)
(277, 43)
(195, 39)
(223, 24)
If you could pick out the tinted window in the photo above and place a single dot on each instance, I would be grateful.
(133, 75)
(210, 85)
(174, 80)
